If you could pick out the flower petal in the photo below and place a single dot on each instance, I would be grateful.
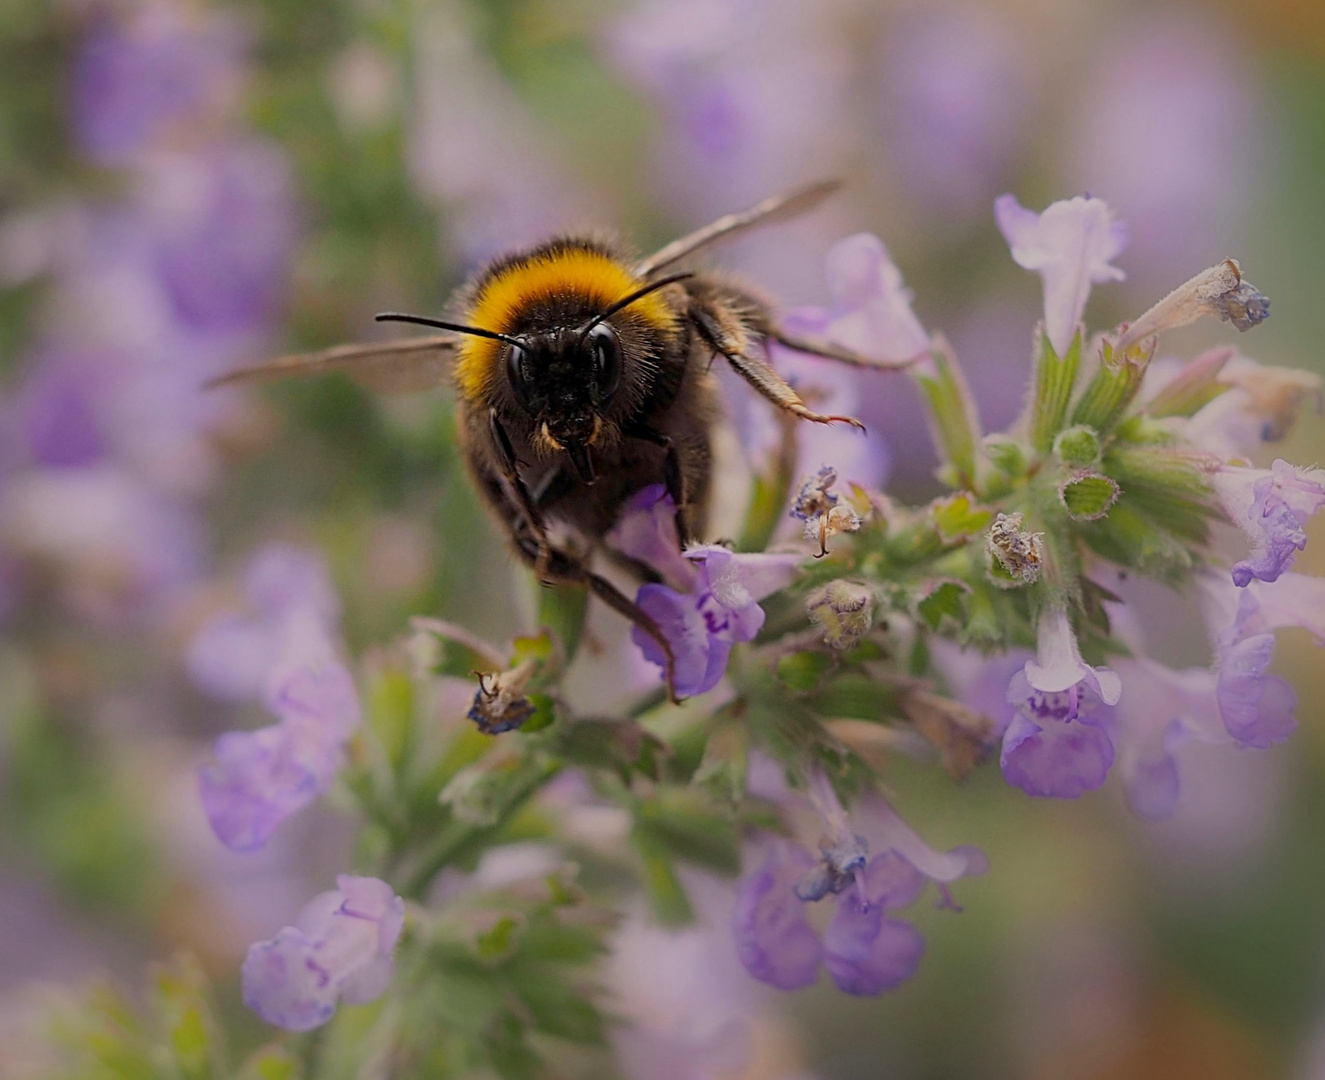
(774, 940)
(867, 953)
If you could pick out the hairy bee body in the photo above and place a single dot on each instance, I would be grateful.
(583, 377)
(665, 405)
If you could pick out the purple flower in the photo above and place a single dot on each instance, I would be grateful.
(864, 949)
(59, 409)
(646, 531)
(137, 78)
(260, 778)
(1271, 506)
(1058, 743)
(339, 949)
(721, 609)
(293, 613)
(223, 229)
(1070, 244)
(1162, 710)
(1257, 707)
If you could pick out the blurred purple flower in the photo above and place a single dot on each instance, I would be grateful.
(57, 411)
(865, 951)
(1161, 710)
(954, 90)
(721, 609)
(339, 949)
(260, 778)
(869, 310)
(1257, 707)
(1070, 244)
(1271, 506)
(1167, 121)
(293, 613)
(154, 70)
(747, 95)
(223, 228)
(1058, 742)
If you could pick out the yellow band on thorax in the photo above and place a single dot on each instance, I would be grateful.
(576, 274)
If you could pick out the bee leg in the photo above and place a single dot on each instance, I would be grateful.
(511, 476)
(672, 475)
(557, 567)
(732, 342)
(832, 351)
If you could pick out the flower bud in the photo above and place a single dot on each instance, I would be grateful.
(1077, 447)
(844, 610)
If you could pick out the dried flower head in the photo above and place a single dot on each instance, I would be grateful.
(1019, 552)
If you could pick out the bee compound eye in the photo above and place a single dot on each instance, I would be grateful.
(607, 361)
(517, 376)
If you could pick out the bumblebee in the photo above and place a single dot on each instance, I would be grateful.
(583, 376)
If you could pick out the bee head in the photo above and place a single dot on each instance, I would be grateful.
(565, 381)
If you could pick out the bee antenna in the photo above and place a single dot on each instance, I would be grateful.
(420, 320)
(626, 301)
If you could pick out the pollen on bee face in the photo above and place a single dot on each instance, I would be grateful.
(574, 273)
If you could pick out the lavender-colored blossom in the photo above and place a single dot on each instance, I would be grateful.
(864, 950)
(1271, 506)
(954, 88)
(223, 232)
(646, 531)
(1162, 710)
(292, 614)
(136, 78)
(260, 778)
(58, 413)
(721, 609)
(1257, 707)
(869, 310)
(339, 949)
(1166, 101)
(1070, 244)
(1058, 742)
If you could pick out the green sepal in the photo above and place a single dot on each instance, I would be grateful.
(1194, 387)
(271, 1062)
(1130, 539)
(1114, 386)
(952, 415)
(1088, 496)
(1055, 378)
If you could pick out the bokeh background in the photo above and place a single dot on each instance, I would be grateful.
(186, 187)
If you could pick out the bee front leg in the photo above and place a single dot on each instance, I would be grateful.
(555, 566)
(510, 474)
(673, 477)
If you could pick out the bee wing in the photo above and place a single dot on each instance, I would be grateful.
(389, 367)
(781, 207)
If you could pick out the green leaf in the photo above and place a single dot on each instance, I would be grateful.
(1088, 497)
(391, 713)
(667, 895)
(1055, 378)
(562, 611)
(500, 941)
(958, 517)
(270, 1063)
(942, 604)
